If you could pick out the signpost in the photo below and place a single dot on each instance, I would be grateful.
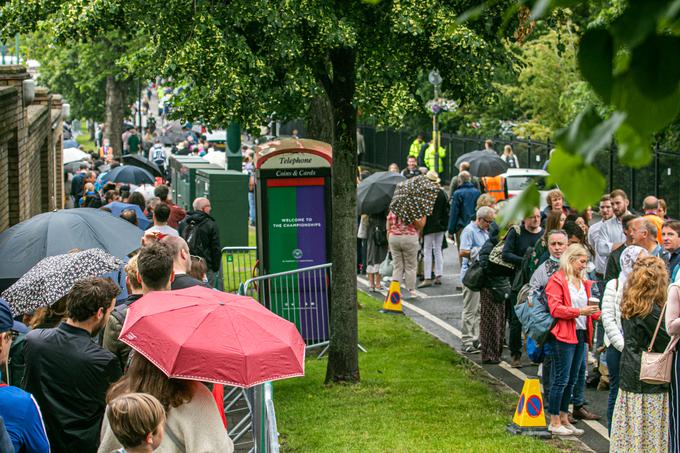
(293, 199)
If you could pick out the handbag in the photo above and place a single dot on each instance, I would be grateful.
(655, 367)
(500, 288)
(496, 255)
(474, 276)
(386, 267)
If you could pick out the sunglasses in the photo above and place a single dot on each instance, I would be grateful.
(199, 258)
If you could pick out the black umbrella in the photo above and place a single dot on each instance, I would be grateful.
(142, 162)
(483, 163)
(129, 174)
(54, 276)
(414, 198)
(374, 194)
(57, 232)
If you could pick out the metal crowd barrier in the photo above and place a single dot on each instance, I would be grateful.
(238, 265)
(301, 296)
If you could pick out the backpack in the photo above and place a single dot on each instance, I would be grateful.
(158, 156)
(190, 235)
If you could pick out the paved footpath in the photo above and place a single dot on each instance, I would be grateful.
(438, 311)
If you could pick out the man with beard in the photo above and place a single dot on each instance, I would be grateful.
(68, 373)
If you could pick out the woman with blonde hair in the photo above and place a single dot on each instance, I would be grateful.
(509, 157)
(568, 292)
(640, 420)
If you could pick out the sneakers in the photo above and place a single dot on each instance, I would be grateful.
(565, 430)
(471, 350)
(560, 430)
(574, 430)
(516, 362)
(426, 283)
(438, 280)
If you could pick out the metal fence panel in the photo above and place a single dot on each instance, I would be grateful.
(238, 265)
(301, 296)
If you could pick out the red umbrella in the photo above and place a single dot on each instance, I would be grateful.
(207, 335)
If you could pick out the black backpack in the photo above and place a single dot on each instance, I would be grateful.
(190, 234)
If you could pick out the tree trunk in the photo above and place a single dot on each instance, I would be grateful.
(116, 95)
(91, 129)
(343, 359)
(320, 120)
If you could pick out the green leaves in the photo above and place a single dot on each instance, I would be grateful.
(657, 66)
(581, 183)
(588, 134)
(571, 165)
(595, 60)
(520, 206)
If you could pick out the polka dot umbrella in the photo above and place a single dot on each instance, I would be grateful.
(54, 276)
(414, 198)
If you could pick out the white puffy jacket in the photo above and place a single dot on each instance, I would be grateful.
(611, 314)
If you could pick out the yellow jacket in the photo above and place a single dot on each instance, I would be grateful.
(429, 158)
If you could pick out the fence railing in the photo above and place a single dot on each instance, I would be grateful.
(238, 265)
(385, 146)
(301, 296)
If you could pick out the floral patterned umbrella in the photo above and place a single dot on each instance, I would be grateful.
(414, 198)
(54, 276)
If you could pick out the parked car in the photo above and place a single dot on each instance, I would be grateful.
(517, 179)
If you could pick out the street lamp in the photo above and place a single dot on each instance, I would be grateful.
(436, 81)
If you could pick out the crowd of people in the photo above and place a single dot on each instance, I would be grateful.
(74, 386)
(571, 291)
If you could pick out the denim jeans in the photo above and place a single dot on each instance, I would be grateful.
(613, 361)
(567, 360)
(578, 396)
(251, 207)
(547, 375)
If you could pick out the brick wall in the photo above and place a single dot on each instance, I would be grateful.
(31, 172)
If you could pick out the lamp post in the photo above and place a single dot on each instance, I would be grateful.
(436, 81)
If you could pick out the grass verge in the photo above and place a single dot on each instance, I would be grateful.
(415, 395)
(88, 145)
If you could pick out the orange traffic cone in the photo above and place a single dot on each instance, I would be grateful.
(392, 302)
(529, 419)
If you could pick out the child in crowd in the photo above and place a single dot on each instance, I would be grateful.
(137, 421)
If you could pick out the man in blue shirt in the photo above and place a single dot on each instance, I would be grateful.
(19, 410)
(471, 240)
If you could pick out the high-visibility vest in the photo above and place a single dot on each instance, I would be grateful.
(429, 158)
(494, 186)
(414, 150)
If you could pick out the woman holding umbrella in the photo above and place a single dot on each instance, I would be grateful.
(404, 246)
(412, 202)
(193, 422)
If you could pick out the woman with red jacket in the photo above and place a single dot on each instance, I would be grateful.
(568, 292)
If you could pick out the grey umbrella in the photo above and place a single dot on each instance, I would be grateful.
(483, 163)
(50, 279)
(374, 193)
(57, 232)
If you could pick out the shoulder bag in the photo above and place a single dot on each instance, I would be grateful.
(655, 367)
(496, 255)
